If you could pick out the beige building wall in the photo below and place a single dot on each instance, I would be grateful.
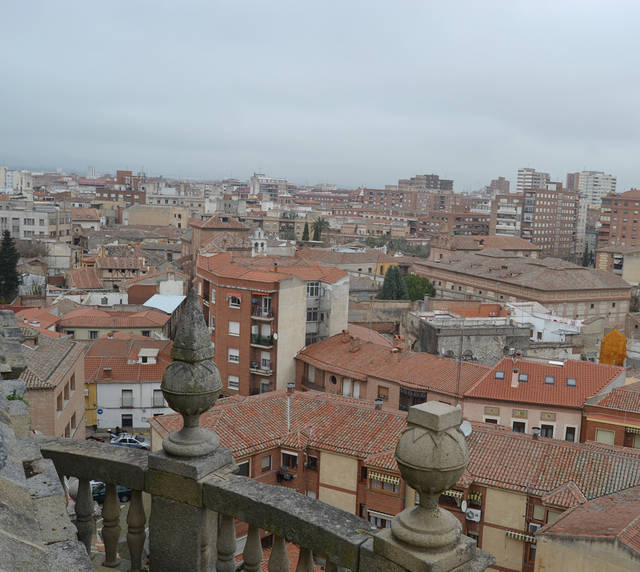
(83, 333)
(157, 216)
(506, 413)
(631, 268)
(506, 510)
(339, 316)
(292, 311)
(342, 473)
(555, 554)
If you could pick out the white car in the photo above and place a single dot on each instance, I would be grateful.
(127, 440)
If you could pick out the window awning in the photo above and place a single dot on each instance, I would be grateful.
(236, 294)
(454, 494)
(292, 453)
(475, 497)
(635, 430)
(380, 514)
(384, 478)
(520, 536)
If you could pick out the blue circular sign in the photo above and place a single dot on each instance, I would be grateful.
(100, 411)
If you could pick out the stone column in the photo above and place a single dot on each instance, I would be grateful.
(432, 455)
(182, 531)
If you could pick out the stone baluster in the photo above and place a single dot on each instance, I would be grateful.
(253, 550)
(305, 560)
(226, 544)
(330, 567)
(279, 560)
(84, 514)
(111, 526)
(136, 519)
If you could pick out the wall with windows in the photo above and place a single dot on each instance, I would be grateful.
(138, 400)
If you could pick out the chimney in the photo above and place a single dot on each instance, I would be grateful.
(536, 432)
(345, 336)
(395, 352)
(514, 377)
(275, 267)
(378, 403)
(107, 372)
(291, 387)
(355, 344)
(110, 335)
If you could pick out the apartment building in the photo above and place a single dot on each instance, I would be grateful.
(426, 183)
(546, 396)
(121, 196)
(232, 235)
(189, 197)
(456, 223)
(269, 188)
(123, 374)
(531, 179)
(24, 220)
(506, 214)
(263, 310)
(619, 220)
(549, 219)
(564, 288)
(115, 269)
(592, 186)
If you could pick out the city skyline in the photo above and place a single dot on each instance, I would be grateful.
(325, 94)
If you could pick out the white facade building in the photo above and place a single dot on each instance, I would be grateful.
(531, 179)
(593, 185)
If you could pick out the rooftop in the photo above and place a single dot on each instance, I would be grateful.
(572, 384)
(84, 278)
(95, 317)
(49, 361)
(626, 398)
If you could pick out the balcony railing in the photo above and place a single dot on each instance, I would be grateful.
(262, 368)
(261, 314)
(262, 341)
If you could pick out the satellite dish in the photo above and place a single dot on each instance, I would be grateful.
(275, 336)
(465, 426)
(463, 506)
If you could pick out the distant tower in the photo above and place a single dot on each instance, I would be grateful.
(91, 173)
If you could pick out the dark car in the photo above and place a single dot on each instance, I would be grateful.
(99, 491)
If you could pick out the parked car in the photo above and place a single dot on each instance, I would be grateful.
(99, 491)
(128, 440)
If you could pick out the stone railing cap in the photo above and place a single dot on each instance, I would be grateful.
(435, 416)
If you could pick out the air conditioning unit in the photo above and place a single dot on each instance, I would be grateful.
(473, 514)
(533, 527)
(86, 393)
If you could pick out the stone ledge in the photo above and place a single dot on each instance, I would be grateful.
(194, 468)
(328, 531)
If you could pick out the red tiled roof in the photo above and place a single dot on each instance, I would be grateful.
(333, 423)
(41, 314)
(565, 495)
(417, 370)
(625, 398)
(84, 214)
(128, 262)
(121, 356)
(216, 222)
(50, 361)
(612, 517)
(86, 317)
(369, 335)
(591, 378)
(85, 278)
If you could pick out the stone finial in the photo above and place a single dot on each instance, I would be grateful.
(191, 383)
(431, 454)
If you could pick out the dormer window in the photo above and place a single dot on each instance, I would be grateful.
(549, 379)
(571, 381)
(523, 377)
(499, 374)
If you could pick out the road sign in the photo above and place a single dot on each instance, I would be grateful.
(100, 411)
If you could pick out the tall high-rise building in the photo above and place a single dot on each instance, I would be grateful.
(531, 179)
(592, 185)
(500, 186)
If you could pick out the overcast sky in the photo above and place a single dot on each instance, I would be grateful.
(354, 93)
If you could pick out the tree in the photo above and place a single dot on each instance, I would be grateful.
(319, 226)
(305, 232)
(419, 286)
(393, 287)
(9, 278)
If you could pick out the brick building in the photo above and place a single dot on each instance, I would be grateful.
(453, 223)
(564, 288)
(55, 384)
(263, 310)
(619, 220)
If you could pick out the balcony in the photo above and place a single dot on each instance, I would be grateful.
(263, 368)
(261, 314)
(265, 342)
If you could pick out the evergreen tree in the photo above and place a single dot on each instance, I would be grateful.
(419, 286)
(393, 287)
(305, 232)
(319, 226)
(9, 278)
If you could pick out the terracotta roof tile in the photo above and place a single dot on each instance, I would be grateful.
(86, 317)
(85, 278)
(590, 379)
(49, 361)
(626, 398)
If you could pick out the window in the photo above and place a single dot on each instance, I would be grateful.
(491, 420)
(383, 392)
(146, 333)
(333, 379)
(243, 468)
(72, 382)
(312, 314)
(605, 436)
(519, 426)
(312, 462)
(93, 334)
(290, 460)
(233, 382)
(144, 359)
(234, 328)
(234, 301)
(265, 464)
(158, 398)
(313, 289)
(234, 355)
(549, 379)
(571, 381)
(569, 433)
(546, 431)
(523, 377)
(127, 398)
(391, 487)
(213, 295)
(126, 420)
(73, 421)
(66, 392)
(71, 333)
(59, 402)
(499, 374)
